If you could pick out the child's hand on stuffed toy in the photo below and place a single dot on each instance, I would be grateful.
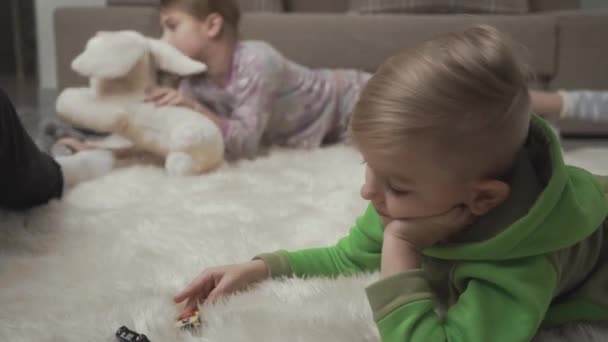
(164, 96)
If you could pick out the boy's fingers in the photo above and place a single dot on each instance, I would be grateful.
(189, 309)
(218, 292)
(191, 306)
(154, 95)
(454, 215)
(461, 219)
(463, 215)
(175, 102)
(187, 293)
(185, 314)
(153, 91)
(197, 285)
(159, 92)
(214, 296)
(166, 99)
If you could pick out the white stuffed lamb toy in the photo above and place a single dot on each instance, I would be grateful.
(121, 66)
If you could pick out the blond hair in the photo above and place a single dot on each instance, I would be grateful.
(465, 92)
(228, 9)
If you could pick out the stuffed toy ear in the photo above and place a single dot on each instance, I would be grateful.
(110, 54)
(172, 60)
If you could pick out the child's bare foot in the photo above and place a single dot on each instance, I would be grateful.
(548, 104)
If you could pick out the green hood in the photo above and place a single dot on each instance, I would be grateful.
(551, 206)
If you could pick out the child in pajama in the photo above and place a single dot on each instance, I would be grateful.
(256, 96)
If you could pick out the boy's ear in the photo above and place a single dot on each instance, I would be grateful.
(215, 25)
(487, 195)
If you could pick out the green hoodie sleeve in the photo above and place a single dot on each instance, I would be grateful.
(499, 301)
(358, 252)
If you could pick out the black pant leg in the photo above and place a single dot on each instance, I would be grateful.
(28, 177)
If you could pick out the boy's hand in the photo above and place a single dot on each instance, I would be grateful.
(163, 96)
(217, 282)
(425, 232)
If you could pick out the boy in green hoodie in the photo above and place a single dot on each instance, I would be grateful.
(480, 231)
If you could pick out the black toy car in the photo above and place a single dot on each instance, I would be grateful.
(125, 335)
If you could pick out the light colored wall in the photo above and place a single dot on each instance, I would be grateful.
(46, 36)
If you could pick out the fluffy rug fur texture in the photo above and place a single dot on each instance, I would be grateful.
(114, 251)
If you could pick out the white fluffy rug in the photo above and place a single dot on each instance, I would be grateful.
(116, 250)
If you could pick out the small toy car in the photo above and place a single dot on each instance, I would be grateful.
(125, 335)
(192, 321)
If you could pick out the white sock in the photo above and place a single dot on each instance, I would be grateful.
(567, 100)
(84, 166)
(585, 105)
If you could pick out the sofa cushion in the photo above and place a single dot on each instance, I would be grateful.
(317, 40)
(553, 5)
(317, 6)
(245, 5)
(261, 5)
(366, 41)
(337, 6)
(340, 6)
(440, 6)
(582, 50)
(133, 2)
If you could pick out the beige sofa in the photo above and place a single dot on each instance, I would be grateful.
(566, 47)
